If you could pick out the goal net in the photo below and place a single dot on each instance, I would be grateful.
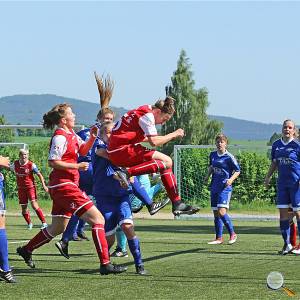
(191, 165)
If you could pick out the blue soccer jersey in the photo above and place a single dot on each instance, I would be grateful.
(2, 195)
(86, 177)
(287, 158)
(103, 181)
(223, 166)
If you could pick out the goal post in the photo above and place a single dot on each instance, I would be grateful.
(191, 164)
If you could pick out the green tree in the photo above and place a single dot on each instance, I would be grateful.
(191, 105)
(275, 136)
(6, 135)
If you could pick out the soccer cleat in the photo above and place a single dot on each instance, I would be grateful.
(44, 225)
(296, 250)
(112, 269)
(286, 249)
(217, 241)
(63, 248)
(8, 276)
(180, 208)
(83, 236)
(27, 256)
(141, 270)
(119, 253)
(122, 176)
(156, 206)
(29, 226)
(232, 239)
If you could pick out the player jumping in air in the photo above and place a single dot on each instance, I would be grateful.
(125, 149)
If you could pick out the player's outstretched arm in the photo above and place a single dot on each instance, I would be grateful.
(85, 147)
(160, 140)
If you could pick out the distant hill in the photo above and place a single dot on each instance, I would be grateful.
(29, 109)
(247, 130)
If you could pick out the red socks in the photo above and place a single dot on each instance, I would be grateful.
(40, 214)
(169, 181)
(42, 238)
(100, 242)
(148, 167)
(27, 217)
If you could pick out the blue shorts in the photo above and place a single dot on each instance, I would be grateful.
(220, 199)
(2, 203)
(115, 210)
(288, 197)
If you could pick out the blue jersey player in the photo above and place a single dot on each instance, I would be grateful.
(6, 273)
(285, 157)
(224, 170)
(112, 200)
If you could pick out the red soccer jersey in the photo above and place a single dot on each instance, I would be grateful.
(133, 127)
(64, 146)
(24, 174)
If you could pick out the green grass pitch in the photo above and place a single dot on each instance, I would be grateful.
(180, 264)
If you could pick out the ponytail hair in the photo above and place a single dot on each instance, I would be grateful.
(105, 88)
(53, 116)
(166, 106)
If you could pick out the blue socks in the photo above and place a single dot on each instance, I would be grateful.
(71, 229)
(228, 224)
(285, 230)
(134, 246)
(121, 239)
(3, 250)
(218, 227)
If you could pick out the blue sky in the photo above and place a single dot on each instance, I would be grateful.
(245, 53)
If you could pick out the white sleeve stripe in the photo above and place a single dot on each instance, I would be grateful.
(147, 123)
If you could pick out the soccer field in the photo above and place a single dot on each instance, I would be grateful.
(180, 264)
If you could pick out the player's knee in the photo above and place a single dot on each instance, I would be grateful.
(128, 229)
(168, 162)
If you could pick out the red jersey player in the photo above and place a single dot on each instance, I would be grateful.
(24, 170)
(64, 190)
(125, 150)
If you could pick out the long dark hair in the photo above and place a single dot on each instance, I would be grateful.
(53, 116)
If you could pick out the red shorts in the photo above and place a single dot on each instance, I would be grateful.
(131, 155)
(27, 194)
(69, 199)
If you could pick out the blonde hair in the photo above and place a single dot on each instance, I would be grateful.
(105, 88)
(23, 151)
(296, 133)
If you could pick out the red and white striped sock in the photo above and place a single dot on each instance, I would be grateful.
(148, 167)
(42, 238)
(100, 242)
(169, 181)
